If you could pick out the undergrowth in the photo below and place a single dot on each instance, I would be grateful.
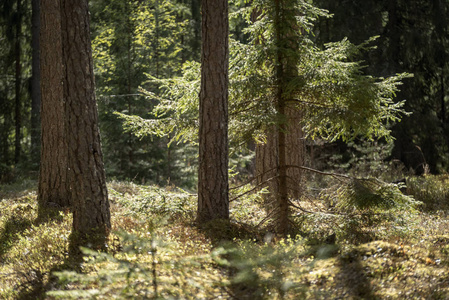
(339, 248)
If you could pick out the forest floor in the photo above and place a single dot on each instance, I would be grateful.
(156, 251)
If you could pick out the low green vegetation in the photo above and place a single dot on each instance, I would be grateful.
(339, 249)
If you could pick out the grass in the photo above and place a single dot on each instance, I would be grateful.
(156, 250)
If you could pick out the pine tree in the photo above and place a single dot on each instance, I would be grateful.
(213, 186)
(53, 186)
(91, 214)
(35, 83)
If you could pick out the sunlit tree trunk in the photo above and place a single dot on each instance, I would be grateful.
(213, 201)
(91, 214)
(53, 188)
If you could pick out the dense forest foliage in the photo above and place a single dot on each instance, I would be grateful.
(136, 44)
(265, 149)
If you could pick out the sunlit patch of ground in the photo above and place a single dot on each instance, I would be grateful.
(157, 248)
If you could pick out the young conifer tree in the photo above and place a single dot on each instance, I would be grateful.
(301, 89)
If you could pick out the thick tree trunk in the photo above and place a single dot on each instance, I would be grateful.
(53, 187)
(35, 82)
(91, 214)
(213, 202)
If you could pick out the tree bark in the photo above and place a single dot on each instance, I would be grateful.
(7, 124)
(18, 84)
(53, 187)
(213, 188)
(266, 162)
(91, 214)
(35, 82)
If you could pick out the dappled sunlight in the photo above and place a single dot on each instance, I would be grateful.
(157, 249)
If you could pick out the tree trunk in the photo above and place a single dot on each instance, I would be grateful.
(282, 196)
(277, 159)
(53, 186)
(266, 166)
(18, 84)
(5, 130)
(213, 201)
(91, 214)
(35, 82)
(295, 151)
(266, 162)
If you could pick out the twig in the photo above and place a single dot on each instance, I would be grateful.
(297, 167)
(269, 215)
(254, 188)
(319, 172)
(243, 184)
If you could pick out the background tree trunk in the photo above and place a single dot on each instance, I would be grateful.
(213, 188)
(35, 82)
(18, 85)
(91, 214)
(54, 156)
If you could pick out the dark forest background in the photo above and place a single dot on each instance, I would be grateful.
(137, 40)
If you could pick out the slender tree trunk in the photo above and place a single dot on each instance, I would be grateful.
(129, 79)
(4, 140)
(18, 84)
(53, 187)
(195, 11)
(443, 102)
(213, 201)
(6, 127)
(35, 82)
(91, 214)
(282, 126)
(445, 126)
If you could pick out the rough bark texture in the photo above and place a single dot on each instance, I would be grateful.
(91, 215)
(53, 186)
(213, 202)
(35, 81)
